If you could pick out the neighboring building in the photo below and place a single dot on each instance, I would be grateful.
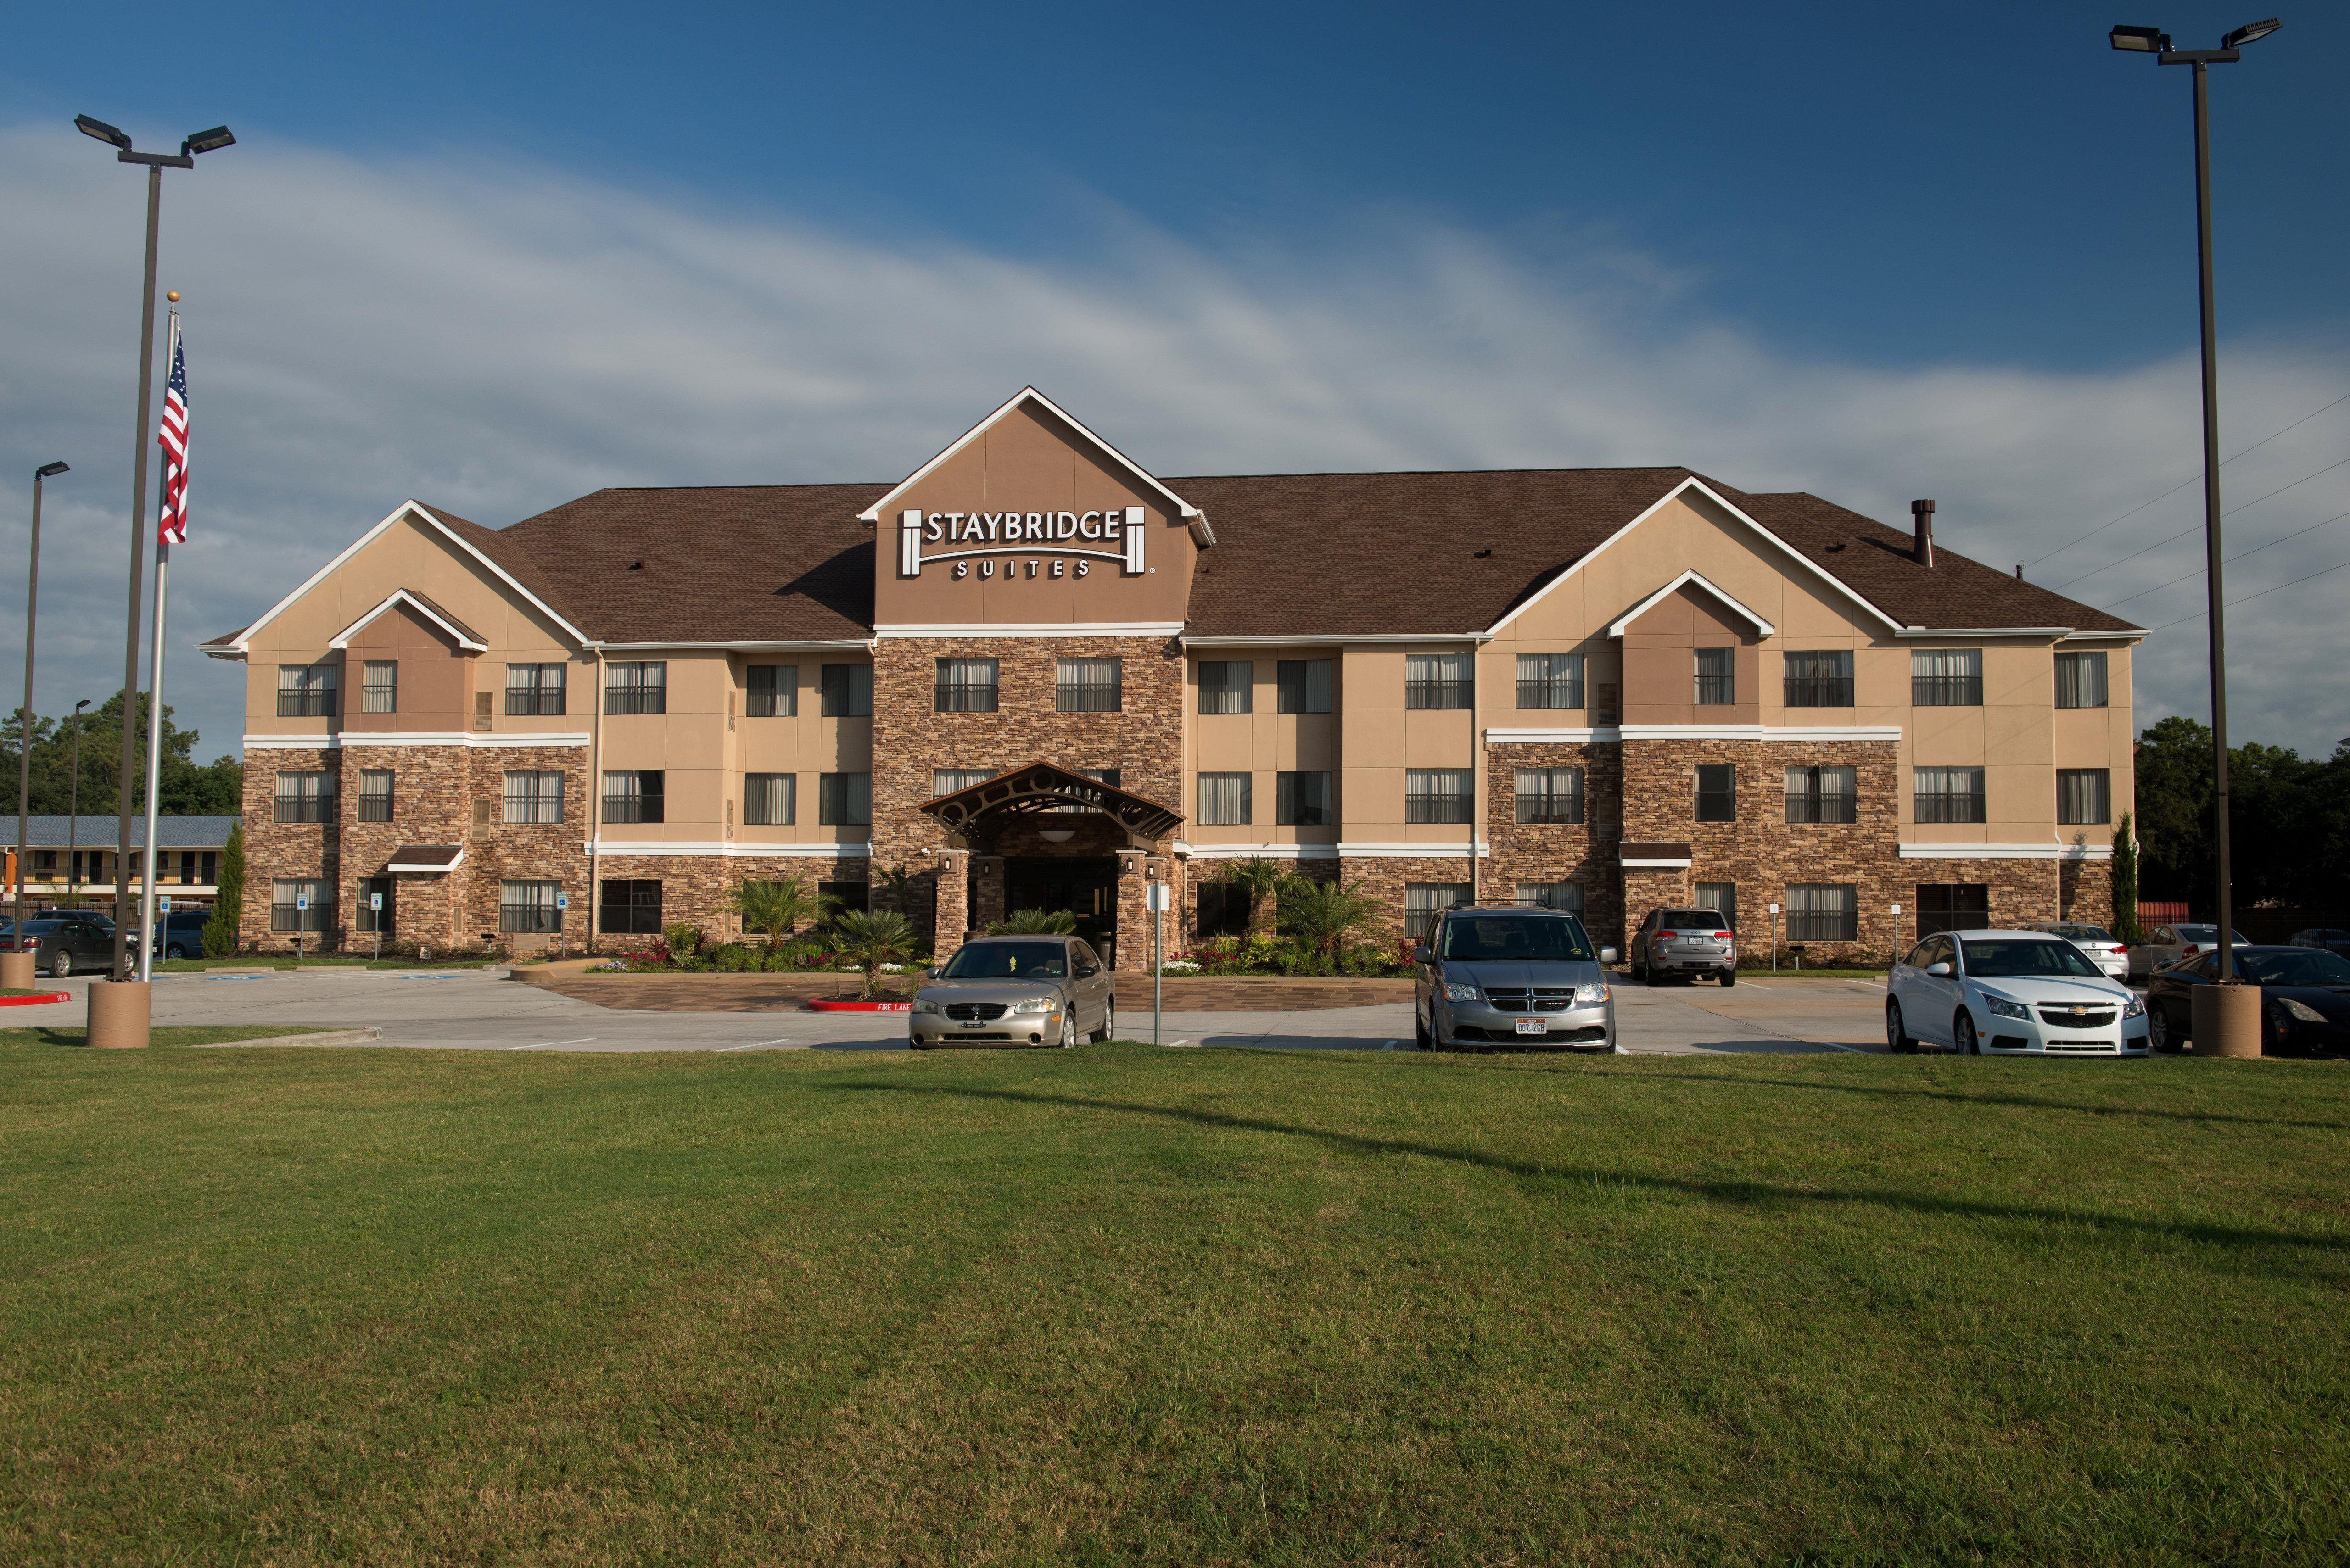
(72, 860)
(1600, 689)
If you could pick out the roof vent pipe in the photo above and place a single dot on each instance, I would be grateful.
(1921, 512)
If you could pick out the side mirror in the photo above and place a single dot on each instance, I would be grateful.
(1423, 955)
(932, 973)
(1939, 970)
(1607, 955)
(1087, 970)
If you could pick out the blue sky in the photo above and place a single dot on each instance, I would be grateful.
(499, 256)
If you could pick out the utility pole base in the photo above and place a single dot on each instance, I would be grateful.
(2226, 1020)
(17, 971)
(118, 1011)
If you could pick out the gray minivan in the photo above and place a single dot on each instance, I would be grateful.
(1513, 977)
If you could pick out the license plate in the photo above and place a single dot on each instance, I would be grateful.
(1533, 1025)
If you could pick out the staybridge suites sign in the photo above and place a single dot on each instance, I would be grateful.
(1046, 544)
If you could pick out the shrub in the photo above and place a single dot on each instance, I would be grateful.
(1035, 923)
(735, 957)
(228, 910)
(683, 939)
(1322, 914)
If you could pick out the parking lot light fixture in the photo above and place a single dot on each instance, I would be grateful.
(41, 475)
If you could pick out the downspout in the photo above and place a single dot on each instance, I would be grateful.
(595, 802)
(1476, 762)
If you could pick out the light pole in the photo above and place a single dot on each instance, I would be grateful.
(201, 141)
(47, 471)
(73, 814)
(2233, 1021)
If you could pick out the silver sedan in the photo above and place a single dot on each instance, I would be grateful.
(1014, 992)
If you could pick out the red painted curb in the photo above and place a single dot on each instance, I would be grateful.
(35, 1001)
(823, 1006)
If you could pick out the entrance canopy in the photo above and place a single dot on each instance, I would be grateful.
(977, 811)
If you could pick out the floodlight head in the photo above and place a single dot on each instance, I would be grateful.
(211, 140)
(2249, 32)
(103, 131)
(2141, 40)
(80, 705)
(50, 471)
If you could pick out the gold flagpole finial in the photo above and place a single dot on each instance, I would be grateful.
(173, 294)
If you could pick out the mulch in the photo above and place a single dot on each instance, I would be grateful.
(773, 992)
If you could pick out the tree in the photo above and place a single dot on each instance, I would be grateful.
(871, 938)
(1035, 923)
(1260, 877)
(221, 931)
(215, 789)
(778, 909)
(1321, 915)
(2124, 883)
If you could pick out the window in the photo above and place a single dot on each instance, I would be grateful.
(1089, 686)
(965, 686)
(375, 795)
(1303, 800)
(211, 871)
(1823, 794)
(771, 800)
(2083, 795)
(1438, 795)
(1566, 896)
(2081, 681)
(537, 795)
(1225, 685)
(1953, 907)
(535, 691)
(305, 691)
(1223, 909)
(845, 691)
(1947, 795)
(1438, 681)
(528, 908)
(1423, 901)
(380, 692)
(844, 800)
(286, 913)
(1717, 679)
(637, 686)
(1550, 681)
(1819, 678)
(365, 916)
(1721, 898)
(1305, 685)
(1552, 795)
(946, 781)
(305, 797)
(1224, 800)
(634, 795)
(1717, 792)
(771, 692)
(1823, 912)
(1946, 677)
(632, 907)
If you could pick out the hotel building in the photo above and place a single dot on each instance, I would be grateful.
(1034, 674)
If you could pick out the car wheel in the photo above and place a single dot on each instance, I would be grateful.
(1963, 1031)
(175, 951)
(1110, 1022)
(1730, 977)
(1897, 1033)
(1421, 1036)
(61, 964)
(2157, 1029)
(1069, 1030)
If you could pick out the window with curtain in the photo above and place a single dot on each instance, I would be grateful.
(534, 691)
(1818, 678)
(1823, 794)
(1423, 901)
(1952, 907)
(1946, 677)
(2083, 795)
(946, 781)
(770, 800)
(1550, 681)
(1303, 800)
(375, 795)
(1562, 896)
(1088, 685)
(528, 908)
(636, 795)
(1721, 898)
(965, 686)
(1225, 685)
(1304, 685)
(637, 686)
(771, 691)
(380, 689)
(1717, 677)
(1438, 795)
(305, 691)
(844, 800)
(1823, 912)
(1717, 792)
(1946, 794)
(845, 691)
(630, 906)
(1439, 681)
(2080, 681)
(536, 795)
(1224, 800)
(1550, 795)
(286, 913)
(305, 797)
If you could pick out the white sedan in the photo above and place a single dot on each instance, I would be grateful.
(1984, 993)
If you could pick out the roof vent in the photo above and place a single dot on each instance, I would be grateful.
(635, 565)
(1485, 552)
(1921, 513)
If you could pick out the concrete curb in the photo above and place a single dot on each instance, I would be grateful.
(324, 1037)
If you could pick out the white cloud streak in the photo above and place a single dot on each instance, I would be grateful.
(498, 339)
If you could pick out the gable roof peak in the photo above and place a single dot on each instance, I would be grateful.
(1026, 396)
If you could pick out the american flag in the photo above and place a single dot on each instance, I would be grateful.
(173, 529)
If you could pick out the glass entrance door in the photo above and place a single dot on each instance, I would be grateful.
(1086, 887)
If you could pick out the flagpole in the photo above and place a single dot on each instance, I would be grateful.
(155, 719)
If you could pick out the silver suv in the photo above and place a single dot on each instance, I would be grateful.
(1691, 943)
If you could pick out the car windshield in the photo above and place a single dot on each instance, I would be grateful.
(1531, 936)
(1695, 920)
(2298, 966)
(2083, 933)
(2027, 961)
(2205, 934)
(1009, 960)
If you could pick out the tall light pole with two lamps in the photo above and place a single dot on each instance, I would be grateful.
(2226, 1020)
(46, 471)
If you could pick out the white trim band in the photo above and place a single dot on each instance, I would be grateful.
(1413, 851)
(1249, 851)
(734, 851)
(1654, 865)
(342, 738)
(2007, 852)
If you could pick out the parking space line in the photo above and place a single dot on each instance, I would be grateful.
(545, 1044)
(779, 1040)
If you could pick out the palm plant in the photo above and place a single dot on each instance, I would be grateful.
(1035, 923)
(871, 938)
(1321, 915)
(776, 909)
(1261, 878)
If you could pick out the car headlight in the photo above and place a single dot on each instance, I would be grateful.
(2301, 1011)
(1455, 991)
(2001, 1008)
(1035, 1004)
(1592, 990)
(2134, 1008)
(925, 1004)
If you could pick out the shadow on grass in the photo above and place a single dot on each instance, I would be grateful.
(2019, 1101)
(1741, 1192)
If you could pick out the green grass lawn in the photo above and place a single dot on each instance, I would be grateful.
(160, 1034)
(286, 962)
(1118, 1305)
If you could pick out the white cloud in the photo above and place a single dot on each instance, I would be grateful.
(497, 339)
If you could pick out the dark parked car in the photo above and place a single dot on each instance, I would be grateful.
(62, 946)
(182, 934)
(1691, 943)
(2304, 1000)
(2333, 941)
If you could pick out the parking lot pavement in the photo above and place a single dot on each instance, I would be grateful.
(1780, 1014)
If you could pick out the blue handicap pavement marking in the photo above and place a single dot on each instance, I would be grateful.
(237, 977)
(427, 977)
